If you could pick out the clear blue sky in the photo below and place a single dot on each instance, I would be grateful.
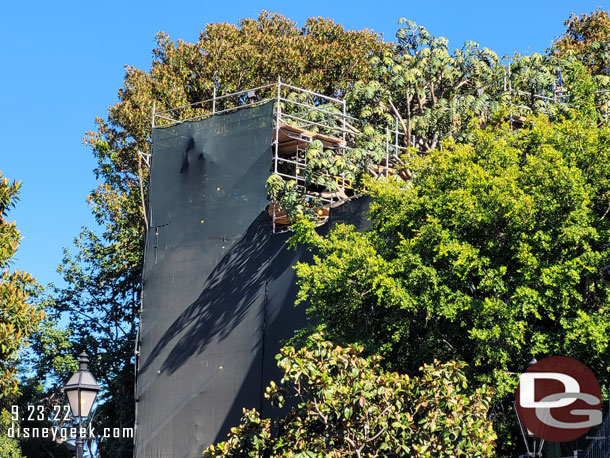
(63, 62)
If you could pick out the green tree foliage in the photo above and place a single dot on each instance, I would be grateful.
(434, 92)
(584, 93)
(533, 81)
(587, 40)
(492, 254)
(9, 447)
(587, 37)
(102, 302)
(438, 94)
(349, 406)
(18, 317)
(44, 369)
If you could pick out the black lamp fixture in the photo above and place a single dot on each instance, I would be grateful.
(81, 390)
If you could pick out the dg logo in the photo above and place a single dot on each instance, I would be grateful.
(559, 399)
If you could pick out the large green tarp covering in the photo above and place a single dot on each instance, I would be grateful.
(219, 288)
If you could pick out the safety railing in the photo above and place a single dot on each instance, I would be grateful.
(300, 117)
(600, 442)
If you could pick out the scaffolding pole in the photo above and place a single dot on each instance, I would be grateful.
(510, 98)
(276, 146)
(387, 150)
(396, 138)
(343, 139)
(278, 109)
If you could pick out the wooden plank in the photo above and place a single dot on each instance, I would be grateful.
(326, 139)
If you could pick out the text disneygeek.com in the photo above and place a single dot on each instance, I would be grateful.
(54, 433)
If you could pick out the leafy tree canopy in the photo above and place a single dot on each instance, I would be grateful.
(18, 317)
(433, 91)
(587, 37)
(492, 254)
(349, 406)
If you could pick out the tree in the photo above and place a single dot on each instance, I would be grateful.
(587, 37)
(437, 94)
(492, 254)
(9, 446)
(101, 301)
(44, 369)
(587, 40)
(421, 94)
(349, 406)
(434, 93)
(18, 317)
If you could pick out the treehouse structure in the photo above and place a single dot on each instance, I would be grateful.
(218, 283)
(229, 176)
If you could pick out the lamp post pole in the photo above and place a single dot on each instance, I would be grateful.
(79, 441)
(537, 444)
(81, 390)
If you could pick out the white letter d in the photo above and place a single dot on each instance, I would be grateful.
(527, 389)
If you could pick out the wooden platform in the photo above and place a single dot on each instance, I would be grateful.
(290, 136)
(284, 222)
(518, 121)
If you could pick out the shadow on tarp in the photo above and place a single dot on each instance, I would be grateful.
(219, 288)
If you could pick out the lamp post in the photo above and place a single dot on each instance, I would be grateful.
(535, 449)
(81, 390)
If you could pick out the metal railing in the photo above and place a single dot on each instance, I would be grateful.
(314, 115)
(600, 442)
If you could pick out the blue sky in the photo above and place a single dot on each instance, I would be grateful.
(63, 62)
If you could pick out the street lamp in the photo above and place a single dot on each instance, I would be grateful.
(535, 448)
(81, 390)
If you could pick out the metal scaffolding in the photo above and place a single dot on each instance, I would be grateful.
(300, 117)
